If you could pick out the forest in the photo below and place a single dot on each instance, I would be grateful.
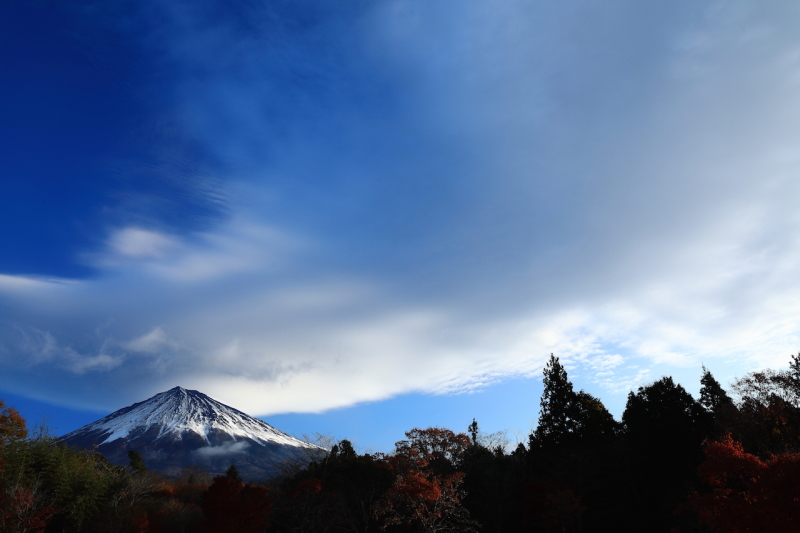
(728, 462)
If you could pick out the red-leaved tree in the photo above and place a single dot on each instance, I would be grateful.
(748, 494)
(21, 511)
(427, 492)
(425, 501)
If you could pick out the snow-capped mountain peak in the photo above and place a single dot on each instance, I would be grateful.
(173, 413)
(183, 428)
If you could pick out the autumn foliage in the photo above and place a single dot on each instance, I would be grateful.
(12, 425)
(423, 500)
(720, 464)
(427, 492)
(20, 512)
(747, 494)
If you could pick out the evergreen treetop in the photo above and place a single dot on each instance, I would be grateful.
(712, 395)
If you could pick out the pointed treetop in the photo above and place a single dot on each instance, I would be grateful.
(712, 395)
(794, 373)
(136, 464)
(474, 431)
(557, 397)
(233, 473)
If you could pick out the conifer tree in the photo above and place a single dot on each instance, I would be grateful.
(233, 473)
(136, 462)
(555, 422)
(712, 395)
(473, 432)
(794, 374)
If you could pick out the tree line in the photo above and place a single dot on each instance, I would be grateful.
(673, 463)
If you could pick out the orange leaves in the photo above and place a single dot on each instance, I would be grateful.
(427, 490)
(12, 425)
(416, 486)
(748, 494)
(729, 465)
(428, 501)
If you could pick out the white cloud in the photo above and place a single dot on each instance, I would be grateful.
(139, 243)
(223, 449)
(238, 246)
(151, 342)
(81, 364)
(605, 183)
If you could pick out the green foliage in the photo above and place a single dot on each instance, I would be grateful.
(136, 464)
(75, 483)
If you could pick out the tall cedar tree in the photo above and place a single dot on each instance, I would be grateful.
(566, 418)
(712, 396)
(555, 422)
(720, 409)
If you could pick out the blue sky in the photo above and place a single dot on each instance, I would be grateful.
(356, 218)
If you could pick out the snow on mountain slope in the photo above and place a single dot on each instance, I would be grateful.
(179, 410)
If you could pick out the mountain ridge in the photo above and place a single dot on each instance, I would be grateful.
(180, 428)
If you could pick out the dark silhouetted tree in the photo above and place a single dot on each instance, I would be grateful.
(233, 473)
(712, 396)
(473, 431)
(768, 418)
(665, 428)
(568, 419)
(556, 407)
(719, 406)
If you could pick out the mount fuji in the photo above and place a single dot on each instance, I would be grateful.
(180, 428)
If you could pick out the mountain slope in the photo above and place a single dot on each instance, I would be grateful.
(181, 428)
